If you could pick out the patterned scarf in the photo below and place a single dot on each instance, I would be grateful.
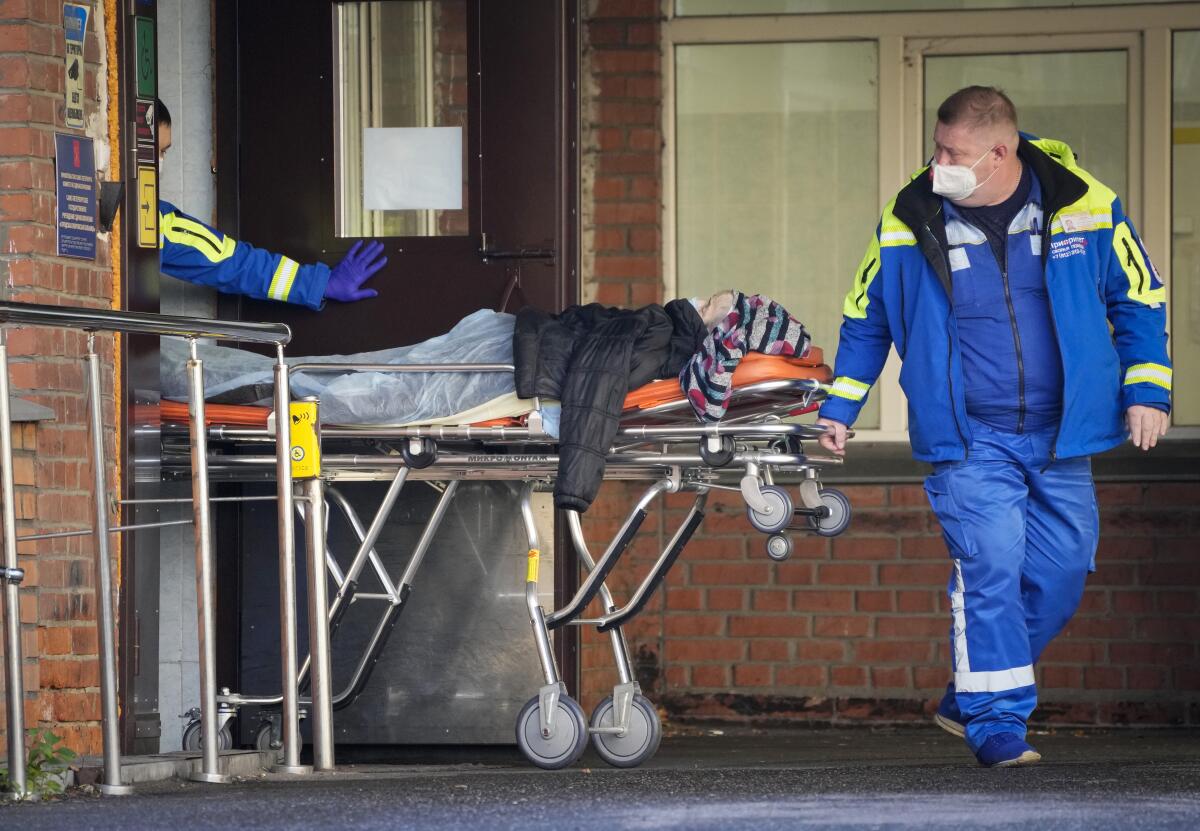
(755, 324)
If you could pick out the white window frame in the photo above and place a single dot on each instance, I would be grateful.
(903, 38)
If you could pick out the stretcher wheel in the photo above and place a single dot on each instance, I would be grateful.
(267, 739)
(779, 547)
(720, 457)
(422, 458)
(561, 749)
(640, 741)
(839, 513)
(781, 510)
(192, 740)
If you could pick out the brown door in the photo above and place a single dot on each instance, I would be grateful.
(505, 72)
(279, 179)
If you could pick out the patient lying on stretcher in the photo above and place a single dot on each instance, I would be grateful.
(235, 376)
(586, 357)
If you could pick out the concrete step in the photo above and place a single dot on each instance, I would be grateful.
(177, 765)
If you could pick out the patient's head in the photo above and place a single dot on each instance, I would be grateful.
(715, 308)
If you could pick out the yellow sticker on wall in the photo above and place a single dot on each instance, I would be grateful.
(147, 204)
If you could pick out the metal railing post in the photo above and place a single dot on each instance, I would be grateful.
(320, 680)
(105, 621)
(287, 574)
(206, 582)
(13, 675)
(116, 320)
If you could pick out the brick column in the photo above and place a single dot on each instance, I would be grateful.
(53, 474)
(622, 153)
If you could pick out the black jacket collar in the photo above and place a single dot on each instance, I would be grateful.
(918, 207)
(917, 204)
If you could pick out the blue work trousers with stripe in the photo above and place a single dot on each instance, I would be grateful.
(1022, 534)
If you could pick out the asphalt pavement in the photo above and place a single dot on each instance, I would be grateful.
(704, 778)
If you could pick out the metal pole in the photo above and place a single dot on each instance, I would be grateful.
(13, 677)
(205, 577)
(287, 574)
(318, 628)
(110, 726)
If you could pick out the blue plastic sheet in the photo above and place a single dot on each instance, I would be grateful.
(237, 376)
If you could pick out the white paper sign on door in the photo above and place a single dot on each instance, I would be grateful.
(406, 168)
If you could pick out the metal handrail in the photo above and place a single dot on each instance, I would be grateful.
(92, 321)
(110, 320)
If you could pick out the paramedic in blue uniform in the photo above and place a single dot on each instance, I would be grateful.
(198, 253)
(1031, 326)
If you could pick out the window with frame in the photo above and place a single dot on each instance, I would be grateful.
(1101, 81)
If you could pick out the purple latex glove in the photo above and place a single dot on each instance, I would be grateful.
(356, 268)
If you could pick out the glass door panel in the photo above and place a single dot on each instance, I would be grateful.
(1184, 284)
(777, 175)
(1078, 97)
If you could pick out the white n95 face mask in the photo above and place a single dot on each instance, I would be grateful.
(956, 181)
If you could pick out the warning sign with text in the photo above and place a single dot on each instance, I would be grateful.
(75, 173)
(75, 28)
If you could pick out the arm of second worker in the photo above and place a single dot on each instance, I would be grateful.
(864, 342)
(1136, 302)
(198, 253)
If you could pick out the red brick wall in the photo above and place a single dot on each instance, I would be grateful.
(622, 153)
(854, 628)
(53, 476)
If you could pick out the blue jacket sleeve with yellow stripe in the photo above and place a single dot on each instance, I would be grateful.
(198, 253)
(865, 338)
(1136, 298)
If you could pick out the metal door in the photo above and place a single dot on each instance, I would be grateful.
(278, 188)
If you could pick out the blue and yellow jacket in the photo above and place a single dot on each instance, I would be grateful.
(1106, 302)
(197, 253)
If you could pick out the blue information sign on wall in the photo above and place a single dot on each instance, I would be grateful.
(76, 179)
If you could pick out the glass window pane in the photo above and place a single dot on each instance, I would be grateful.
(689, 8)
(765, 133)
(1085, 106)
(397, 65)
(1184, 286)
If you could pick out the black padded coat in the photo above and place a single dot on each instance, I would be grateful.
(589, 357)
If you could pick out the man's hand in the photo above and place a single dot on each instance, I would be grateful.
(356, 268)
(834, 438)
(1146, 425)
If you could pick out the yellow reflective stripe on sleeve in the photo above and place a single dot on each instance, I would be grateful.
(891, 238)
(892, 231)
(1139, 272)
(856, 299)
(1149, 374)
(184, 231)
(846, 387)
(282, 279)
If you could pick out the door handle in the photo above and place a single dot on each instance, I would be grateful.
(525, 252)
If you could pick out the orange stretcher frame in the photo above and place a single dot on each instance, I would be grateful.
(753, 369)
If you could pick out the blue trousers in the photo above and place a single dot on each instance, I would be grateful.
(1022, 535)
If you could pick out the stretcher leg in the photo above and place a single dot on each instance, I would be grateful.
(551, 728)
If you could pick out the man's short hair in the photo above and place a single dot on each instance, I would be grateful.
(976, 107)
(161, 114)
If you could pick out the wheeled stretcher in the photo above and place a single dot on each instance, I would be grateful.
(659, 442)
